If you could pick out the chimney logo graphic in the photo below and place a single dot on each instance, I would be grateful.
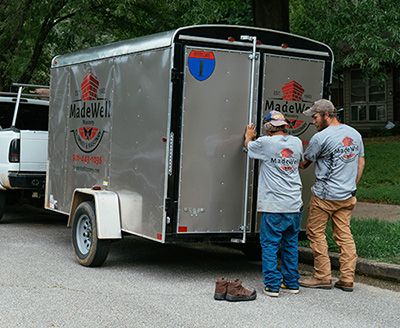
(292, 91)
(287, 153)
(348, 142)
(89, 87)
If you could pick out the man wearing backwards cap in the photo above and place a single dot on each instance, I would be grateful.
(279, 200)
(338, 152)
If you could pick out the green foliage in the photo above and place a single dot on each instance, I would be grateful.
(365, 33)
(375, 239)
(34, 31)
(380, 182)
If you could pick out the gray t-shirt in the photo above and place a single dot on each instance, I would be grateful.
(335, 151)
(279, 183)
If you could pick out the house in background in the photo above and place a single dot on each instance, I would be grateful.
(366, 105)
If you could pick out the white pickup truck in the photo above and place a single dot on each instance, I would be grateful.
(23, 144)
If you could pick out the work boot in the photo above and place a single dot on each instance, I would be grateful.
(221, 288)
(346, 286)
(236, 292)
(269, 292)
(286, 289)
(316, 283)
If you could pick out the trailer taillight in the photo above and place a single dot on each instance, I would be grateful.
(13, 155)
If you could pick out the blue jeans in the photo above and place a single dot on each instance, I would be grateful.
(280, 229)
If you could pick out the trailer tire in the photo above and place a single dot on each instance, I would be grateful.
(2, 203)
(89, 250)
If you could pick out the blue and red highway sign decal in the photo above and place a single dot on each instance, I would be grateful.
(201, 64)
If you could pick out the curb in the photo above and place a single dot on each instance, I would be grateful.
(364, 267)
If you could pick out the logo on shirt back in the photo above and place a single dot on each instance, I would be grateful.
(347, 152)
(286, 163)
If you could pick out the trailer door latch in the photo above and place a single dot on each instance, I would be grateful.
(251, 56)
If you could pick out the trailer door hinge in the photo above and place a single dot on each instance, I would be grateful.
(169, 204)
(176, 75)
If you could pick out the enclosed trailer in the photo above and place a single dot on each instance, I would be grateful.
(146, 135)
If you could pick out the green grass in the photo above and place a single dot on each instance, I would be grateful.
(380, 182)
(375, 239)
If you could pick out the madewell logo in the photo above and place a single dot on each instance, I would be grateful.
(347, 152)
(292, 101)
(90, 108)
(286, 162)
(292, 91)
(89, 87)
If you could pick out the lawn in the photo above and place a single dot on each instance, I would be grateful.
(380, 182)
(375, 239)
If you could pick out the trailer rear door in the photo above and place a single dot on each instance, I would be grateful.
(290, 85)
(213, 164)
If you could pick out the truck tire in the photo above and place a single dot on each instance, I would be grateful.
(2, 203)
(89, 250)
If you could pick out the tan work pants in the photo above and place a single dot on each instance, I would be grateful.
(319, 213)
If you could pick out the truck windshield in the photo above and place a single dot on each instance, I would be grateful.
(30, 116)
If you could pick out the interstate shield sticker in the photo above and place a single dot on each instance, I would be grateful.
(201, 64)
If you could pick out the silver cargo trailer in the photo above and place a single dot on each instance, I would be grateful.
(146, 135)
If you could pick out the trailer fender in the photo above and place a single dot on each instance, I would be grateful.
(131, 204)
(106, 209)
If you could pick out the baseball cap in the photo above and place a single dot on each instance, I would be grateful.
(275, 118)
(320, 106)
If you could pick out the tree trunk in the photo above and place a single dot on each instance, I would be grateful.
(273, 14)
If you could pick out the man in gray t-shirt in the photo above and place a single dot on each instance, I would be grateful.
(338, 153)
(279, 200)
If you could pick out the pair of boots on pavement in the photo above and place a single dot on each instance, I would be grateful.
(233, 291)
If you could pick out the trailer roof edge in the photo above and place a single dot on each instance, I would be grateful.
(154, 41)
(143, 43)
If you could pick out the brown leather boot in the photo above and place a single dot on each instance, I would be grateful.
(346, 286)
(236, 292)
(316, 283)
(221, 288)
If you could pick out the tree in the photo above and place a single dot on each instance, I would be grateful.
(273, 14)
(33, 31)
(362, 33)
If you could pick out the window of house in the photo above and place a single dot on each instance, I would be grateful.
(368, 99)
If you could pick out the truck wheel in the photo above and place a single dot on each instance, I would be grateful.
(89, 250)
(2, 203)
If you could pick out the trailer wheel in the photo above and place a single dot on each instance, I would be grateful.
(89, 250)
(2, 203)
